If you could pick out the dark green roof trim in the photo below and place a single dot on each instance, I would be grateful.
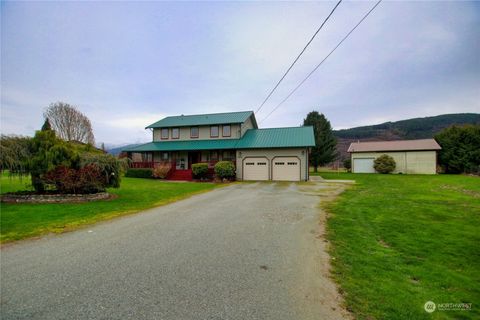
(186, 145)
(204, 119)
(277, 138)
(295, 137)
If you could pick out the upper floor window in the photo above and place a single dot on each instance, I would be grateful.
(226, 131)
(194, 132)
(214, 131)
(175, 133)
(164, 134)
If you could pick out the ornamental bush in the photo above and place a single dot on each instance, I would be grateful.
(224, 170)
(111, 168)
(161, 171)
(46, 157)
(200, 170)
(88, 179)
(139, 173)
(384, 164)
(347, 164)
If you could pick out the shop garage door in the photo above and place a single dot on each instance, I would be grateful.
(363, 165)
(255, 168)
(286, 169)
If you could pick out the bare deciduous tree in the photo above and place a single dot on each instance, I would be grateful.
(69, 123)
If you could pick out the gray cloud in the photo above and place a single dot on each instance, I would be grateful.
(126, 65)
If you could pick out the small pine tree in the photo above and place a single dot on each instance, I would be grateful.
(46, 125)
(324, 151)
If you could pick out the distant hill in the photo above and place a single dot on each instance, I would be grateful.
(116, 151)
(417, 128)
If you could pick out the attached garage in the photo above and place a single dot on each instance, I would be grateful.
(286, 169)
(279, 154)
(256, 168)
(411, 156)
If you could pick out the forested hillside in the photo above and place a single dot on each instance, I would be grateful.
(417, 128)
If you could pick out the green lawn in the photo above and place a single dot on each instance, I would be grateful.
(20, 221)
(401, 240)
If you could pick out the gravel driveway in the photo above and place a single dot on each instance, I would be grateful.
(246, 251)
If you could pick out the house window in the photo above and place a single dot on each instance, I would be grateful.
(165, 155)
(194, 132)
(213, 131)
(213, 155)
(175, 133)
(164, 133)
(228, 155)
(226, 131)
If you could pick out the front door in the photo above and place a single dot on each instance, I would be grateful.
(182, 161)
(193, 157)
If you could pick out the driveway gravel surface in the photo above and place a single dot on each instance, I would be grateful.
(245, 251)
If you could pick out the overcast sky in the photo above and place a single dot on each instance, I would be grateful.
(128, 64)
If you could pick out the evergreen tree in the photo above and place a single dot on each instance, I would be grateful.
(324, 151)
(46, 125)
(460, 149)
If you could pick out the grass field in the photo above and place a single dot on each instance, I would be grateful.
(399, 241)
(19, 221)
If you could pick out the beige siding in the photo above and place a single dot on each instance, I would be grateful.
(248, 124)
(413, 162)
(270, 154)
(203, 133)
(422, 162)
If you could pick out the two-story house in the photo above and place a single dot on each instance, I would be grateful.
(258, 154)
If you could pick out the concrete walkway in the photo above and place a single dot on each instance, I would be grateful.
(247, 251)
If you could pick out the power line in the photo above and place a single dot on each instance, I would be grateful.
(321, 62)
(298, 57)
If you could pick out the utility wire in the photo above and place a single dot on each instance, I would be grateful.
(321, 62)
(298, 57)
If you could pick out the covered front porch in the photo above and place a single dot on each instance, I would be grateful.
(180, 162)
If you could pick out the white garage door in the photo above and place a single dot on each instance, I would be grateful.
(255, 169)
(286, 169)
(363, 165)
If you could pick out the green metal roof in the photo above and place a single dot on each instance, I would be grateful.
(295, 137)
(277, 138)
(202, 119)
(186, 145)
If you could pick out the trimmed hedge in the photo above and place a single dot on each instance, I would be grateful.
(225, 170)
(139, 173)
(200, 170)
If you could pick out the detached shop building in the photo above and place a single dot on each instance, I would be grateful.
(258, 154)
(411, 156)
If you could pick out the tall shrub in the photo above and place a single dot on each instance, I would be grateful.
(47, 152)
(110, 167)
(460, 149)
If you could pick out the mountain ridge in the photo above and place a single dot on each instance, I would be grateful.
(408, 129)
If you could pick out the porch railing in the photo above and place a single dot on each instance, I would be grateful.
(153, 164)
